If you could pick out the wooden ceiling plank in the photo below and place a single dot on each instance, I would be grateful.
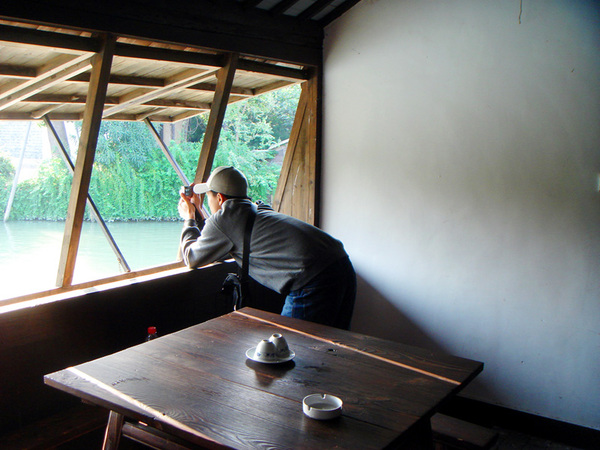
(126, 80)
(272, 87)
(314, 9)
(215, 120)
(245, 65)
(202, 60)
(282, 6)
(46, 71)
(39, 113)
(58, 41)
(7, 70)
(92, 119)
(224, 25)
(142, 97)
(337, 12)
(251, 3)
(186, 115)
(210, 87)
(65, 99)
(185, 104)
(48, 79)
(150, 112)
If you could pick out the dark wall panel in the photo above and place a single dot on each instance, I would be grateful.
(39, 340)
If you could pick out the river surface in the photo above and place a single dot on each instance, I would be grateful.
(30, 251)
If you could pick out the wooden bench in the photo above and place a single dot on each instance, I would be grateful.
(57, 429)
(450, 433)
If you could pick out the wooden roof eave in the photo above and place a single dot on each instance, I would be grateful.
(227, 26)
(163, 99)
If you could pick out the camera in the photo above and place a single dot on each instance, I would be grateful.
(188, 191)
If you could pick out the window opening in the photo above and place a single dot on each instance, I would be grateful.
(158, 108)
(254, 138)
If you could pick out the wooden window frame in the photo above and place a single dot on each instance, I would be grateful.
(295, 195)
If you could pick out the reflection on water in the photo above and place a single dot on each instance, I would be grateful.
(30, 250)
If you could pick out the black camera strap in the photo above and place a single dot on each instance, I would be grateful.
(244, 277)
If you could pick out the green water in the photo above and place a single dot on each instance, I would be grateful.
(30, 251)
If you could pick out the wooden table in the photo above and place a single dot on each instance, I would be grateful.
(196, 388)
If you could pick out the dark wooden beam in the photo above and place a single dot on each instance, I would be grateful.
(206, 60)
(226, 25)
(215, 120)
(272, 69)
(251, 3)
(85, 159)
(65, 99)
(175, 84)
(125, 80)
(11, 71)
(210, 87)
(283, 6)
(57, 72)
(337, 12)
(46, 38)
(81, 99)
(314, 9)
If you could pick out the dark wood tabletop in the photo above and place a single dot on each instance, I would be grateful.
(197, 385)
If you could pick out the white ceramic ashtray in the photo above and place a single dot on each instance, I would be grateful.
(274, 350)
(322, 406)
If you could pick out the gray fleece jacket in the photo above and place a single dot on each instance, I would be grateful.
(285, 252)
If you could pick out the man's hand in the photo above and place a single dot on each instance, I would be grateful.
(186, 208)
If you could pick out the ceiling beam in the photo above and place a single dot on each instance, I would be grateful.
(90, 128)
(215, 119)
(177, 83)
(126, 80)
(201, 59)
(314, 9)
(49, 77)
(58, 41)
(81, 99)
(272, 87)
(226, 25)
(282, 6)
(337, 12)
(7, 70)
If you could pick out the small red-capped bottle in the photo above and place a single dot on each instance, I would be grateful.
(152, 334)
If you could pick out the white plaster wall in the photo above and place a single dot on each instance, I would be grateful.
(460, 168)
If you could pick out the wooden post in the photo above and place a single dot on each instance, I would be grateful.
(92, 118)
(225, 77)
(296, 189)
(166, 152)
(114, 427)
(67, 160)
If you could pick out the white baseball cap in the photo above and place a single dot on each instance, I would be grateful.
(226, 180)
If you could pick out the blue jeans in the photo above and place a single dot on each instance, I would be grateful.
(327, 299)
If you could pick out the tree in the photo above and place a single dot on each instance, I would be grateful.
(7, 174)
(132, 179)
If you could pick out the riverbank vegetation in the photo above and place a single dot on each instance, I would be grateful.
(132, 179)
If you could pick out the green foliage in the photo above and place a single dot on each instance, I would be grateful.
(46, 196)
(7, 173)
(250, 128)
(132, 179)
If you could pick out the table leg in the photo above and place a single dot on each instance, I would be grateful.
(112, 436)
(419, 437)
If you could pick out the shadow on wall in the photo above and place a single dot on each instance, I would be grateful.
(377, 316)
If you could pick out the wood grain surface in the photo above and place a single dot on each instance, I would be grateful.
(197, 384)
